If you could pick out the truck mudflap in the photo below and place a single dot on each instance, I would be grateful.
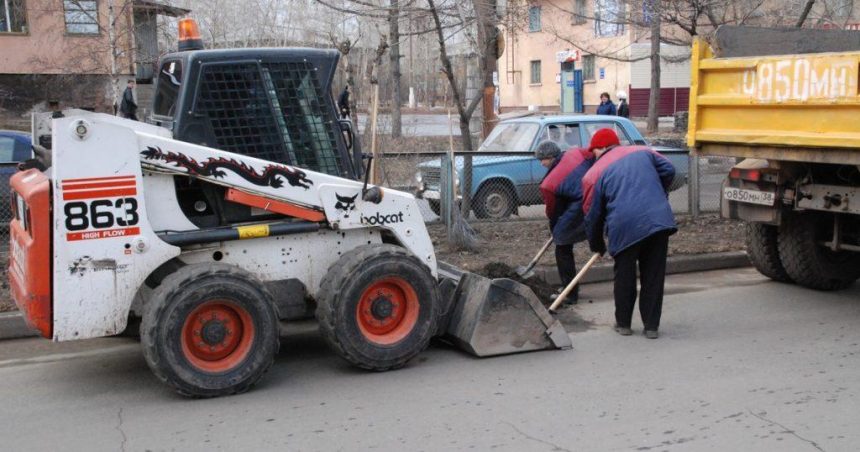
(30, 249)
(488, 317)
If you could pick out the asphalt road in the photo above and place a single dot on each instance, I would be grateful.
(742, 364)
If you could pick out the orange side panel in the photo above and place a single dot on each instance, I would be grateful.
(30, 257)
(271, 205)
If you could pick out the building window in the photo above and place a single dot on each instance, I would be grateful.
(534, 19)
(13, 18)
(82, 17)
(578, 15)
(535, 72)
(588, 67)
(608, 18)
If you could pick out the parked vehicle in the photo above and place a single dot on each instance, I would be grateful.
(790, 110)
(501, 184)
(14, 149)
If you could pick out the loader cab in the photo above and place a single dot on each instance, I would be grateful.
(274, 104)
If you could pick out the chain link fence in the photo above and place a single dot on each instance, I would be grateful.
(6, 171)
(505, 186)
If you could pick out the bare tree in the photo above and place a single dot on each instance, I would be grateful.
(107, 45)
(654, 97)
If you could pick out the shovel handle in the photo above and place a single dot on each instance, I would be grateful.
(539, 254)
(573, 283)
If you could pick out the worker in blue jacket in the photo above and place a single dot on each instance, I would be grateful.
(625, 193)
(564, 212)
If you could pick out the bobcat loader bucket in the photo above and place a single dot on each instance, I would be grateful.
(488, 317)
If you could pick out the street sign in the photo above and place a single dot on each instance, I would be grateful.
(567, 56)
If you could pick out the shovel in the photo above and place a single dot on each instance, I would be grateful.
(573, 283)
(526, 272)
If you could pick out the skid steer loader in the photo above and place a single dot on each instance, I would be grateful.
(241, 206)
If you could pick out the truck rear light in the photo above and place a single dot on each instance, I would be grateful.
(752, 175)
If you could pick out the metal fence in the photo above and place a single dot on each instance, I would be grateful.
(505, 186)
(6, 171)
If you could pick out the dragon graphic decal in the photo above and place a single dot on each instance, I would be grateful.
(273, 175)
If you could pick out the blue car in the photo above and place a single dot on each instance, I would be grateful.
(500, 184)
(14, 148)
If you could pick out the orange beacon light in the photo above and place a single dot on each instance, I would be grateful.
(189, 35)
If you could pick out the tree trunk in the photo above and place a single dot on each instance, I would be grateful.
(654, 98)
(805, 13)
(485, 12)
(112, 48)
(394, 55)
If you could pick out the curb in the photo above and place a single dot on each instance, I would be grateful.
(675, 264)
(12, 325)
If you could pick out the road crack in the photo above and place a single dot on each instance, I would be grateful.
(787, 430)
(120, 430)
(527, 436)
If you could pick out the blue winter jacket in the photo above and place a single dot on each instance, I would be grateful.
(562, 194)
(625, 192)
(606, 108)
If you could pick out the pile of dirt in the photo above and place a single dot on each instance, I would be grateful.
(501, 270)
(514, 243)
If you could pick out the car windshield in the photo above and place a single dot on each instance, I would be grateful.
(512, 137)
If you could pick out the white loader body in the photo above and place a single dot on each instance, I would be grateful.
(114, 202)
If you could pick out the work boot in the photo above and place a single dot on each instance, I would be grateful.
(652, 334)
(623, 330)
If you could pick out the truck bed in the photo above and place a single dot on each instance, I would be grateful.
(796, 107)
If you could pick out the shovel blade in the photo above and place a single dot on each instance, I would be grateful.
(491, 317)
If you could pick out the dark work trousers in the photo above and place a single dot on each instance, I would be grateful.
(650, 254)
(566, 268)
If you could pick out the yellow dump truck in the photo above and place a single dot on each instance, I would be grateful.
(785, 103)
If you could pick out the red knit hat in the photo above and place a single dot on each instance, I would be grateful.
(603, 138)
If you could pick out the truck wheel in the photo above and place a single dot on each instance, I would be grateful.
(210, 330)
(763, 251)
(494, 201)
(810, 264)
(377, 307)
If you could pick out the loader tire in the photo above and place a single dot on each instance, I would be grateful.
(210, 330)
(811, 264)
(763, 251)
(377, 307)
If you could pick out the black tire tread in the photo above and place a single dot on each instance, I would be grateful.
(482, 192)
(170, 287)
(337, 275)
(762, 243)
(798, 255)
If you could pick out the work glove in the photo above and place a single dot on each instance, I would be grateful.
(598, 246)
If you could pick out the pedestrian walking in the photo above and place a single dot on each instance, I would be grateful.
(623, 108)
(625, 193)
(606, 106)
(343, 103)
(564, 212)
(128, 107)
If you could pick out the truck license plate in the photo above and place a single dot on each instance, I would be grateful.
(764, 198)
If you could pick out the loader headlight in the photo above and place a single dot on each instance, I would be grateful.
(418, 177)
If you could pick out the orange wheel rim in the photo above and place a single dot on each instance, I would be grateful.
(387, 311)
(217, 336)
